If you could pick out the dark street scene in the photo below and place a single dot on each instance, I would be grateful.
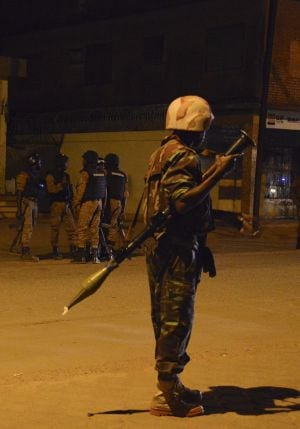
(150, 214)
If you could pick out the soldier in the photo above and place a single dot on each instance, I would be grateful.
(87, 202)
(177, 254)
(60, 190)
(28, 187)
(117, 194)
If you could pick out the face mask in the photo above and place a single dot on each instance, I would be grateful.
(198, 142)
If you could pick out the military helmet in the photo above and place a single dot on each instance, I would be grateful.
(90, 157)
(112, 160)
(61, 159)
(34, 160)
(189, 113)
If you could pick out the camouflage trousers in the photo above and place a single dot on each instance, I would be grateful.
(88, 223)
(60, 213)
(113, 231)
(173, 273)
(30, 213)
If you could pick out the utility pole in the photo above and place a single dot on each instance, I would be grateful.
(267, 63)
(9, 68)
(3, 109)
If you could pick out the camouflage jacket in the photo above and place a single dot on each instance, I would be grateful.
(173, 169)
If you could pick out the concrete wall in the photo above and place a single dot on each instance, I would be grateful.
(57, 84)
(133, 148)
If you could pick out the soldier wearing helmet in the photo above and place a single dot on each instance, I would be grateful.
(28, 187)
(117, 194)
(60, 191)
(88, 203)
(177, 255)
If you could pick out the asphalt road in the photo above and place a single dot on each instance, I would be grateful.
(93, 368)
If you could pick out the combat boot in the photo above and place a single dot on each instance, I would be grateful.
(174, 399)
(95, 257)
(26, 255)
(56, 253)
(192, 396)
(79, 257)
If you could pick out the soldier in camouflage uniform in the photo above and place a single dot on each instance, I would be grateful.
(28, 187)
(117, 194)
(177, 254)
(87, 202)
(60, 190)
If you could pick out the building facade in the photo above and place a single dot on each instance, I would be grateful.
(101, 78)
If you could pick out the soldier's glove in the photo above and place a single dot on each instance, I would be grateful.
(209, 262)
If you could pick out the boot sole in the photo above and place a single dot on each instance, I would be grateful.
(193, 412)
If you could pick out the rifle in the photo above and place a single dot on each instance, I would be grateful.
(103, 241)
(93, 282)
(20, 225)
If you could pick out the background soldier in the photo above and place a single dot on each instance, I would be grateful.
(60, 190)
(90, 191)
(177, 254)
(117, 194)
(28, 187)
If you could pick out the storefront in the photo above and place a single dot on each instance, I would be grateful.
(281, 163)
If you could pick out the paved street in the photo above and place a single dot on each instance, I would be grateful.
(93, 368)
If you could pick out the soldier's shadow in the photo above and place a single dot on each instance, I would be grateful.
(253, 401)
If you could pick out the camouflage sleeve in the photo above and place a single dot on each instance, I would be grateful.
(53, 187)
(182, 174)
(80, 188)
(21, 180)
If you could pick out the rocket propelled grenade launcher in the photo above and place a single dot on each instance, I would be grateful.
(242, 143)
(93, 282)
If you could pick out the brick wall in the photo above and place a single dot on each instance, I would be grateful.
(284, 89)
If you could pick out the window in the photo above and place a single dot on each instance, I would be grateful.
(98, 64)
(277, 169)
(225, 48)
(153, 50)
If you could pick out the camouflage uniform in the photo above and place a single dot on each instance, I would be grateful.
(117, 194)
(175, 256)
(88, 204)
(28, 184)
(59, 188)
